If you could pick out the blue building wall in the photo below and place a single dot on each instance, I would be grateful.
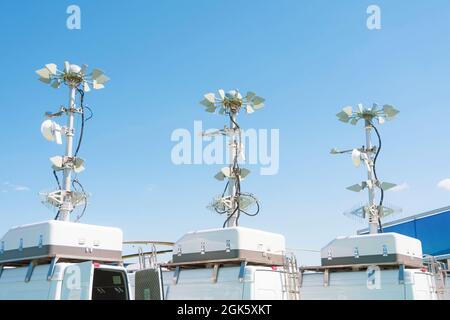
(433, 229)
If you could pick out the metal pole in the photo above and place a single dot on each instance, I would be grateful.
(67, 207)
(373, 215)
(232, 221)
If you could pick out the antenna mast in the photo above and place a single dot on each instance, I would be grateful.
(65, 199)
(369, 154)
(235, 202)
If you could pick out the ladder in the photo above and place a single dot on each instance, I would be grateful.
(151, 257)
(440, 277)
(291, 278)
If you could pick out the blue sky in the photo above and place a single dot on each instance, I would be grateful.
(307, 58)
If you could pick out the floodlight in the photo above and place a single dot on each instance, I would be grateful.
(74, 68)
(56, 83)
(356, 157)
(223, 173)
(246, 202)
(334, 151)
(355, 188)
(52, 68)
(99, 76)
(59, 163)
(387, 185)
(51, 131)
(343, 117)
(389, 210)
(348, 111)
(86, 87)
(45, 80)
(44, 73)
(244, 173)
(390, 111)
(358, 213)
(227, 172)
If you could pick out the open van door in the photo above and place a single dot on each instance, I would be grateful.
(77, 281)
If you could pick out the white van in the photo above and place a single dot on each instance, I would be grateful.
(391, 284)
(68, 281)
(257, 283)
(62, 260)
(225, 283)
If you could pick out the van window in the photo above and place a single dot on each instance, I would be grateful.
(109, 285)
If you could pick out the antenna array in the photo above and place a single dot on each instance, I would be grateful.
(233, 201)
(368, 155)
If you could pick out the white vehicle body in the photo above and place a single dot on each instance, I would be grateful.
(232, 283)
(69, 281)
(361, 285)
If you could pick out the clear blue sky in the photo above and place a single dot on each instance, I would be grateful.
(307, 58)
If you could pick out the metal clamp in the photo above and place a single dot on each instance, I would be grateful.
(176, 275)
(215, 273)
(30, 271)
(326, 278)
(242, 270)
(300, 278)
(51, 268)
(401, 274)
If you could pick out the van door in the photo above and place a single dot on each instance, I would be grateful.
(110, 283)
(424, 287)
(77, 281)
(268, 285)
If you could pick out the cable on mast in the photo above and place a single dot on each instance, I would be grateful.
(233, 201)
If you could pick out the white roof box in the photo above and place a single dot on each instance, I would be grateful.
(382, 248)
(236, 243)
(61, 239)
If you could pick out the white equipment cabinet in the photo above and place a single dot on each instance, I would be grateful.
(381, 248)
(230, 243)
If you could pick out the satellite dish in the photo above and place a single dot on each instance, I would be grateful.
(51, 131)
(356, 157)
